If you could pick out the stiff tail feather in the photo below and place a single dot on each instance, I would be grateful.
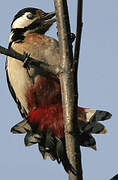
(53, 146)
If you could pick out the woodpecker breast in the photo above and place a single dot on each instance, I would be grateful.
(39, 47)
(27, 30)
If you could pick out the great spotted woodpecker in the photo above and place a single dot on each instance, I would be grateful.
(38, 97)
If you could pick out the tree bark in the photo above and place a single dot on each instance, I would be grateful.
(68, 87)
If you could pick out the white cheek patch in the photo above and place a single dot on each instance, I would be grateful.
(22, 21)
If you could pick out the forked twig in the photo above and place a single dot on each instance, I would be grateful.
(44, 68)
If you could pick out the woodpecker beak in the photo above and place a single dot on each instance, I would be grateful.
(43, 22)
(48, 18)
(48, 15)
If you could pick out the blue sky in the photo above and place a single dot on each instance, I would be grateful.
(98, 88)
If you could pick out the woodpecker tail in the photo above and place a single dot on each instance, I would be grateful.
(21, 127)
(89, 120)
(53, 146)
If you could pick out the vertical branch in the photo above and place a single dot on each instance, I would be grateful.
(78, 32)
(69, 98)
(77, 43)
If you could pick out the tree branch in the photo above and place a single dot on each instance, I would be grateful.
(44, 68)
(78, 33)
(77, 44)
(78, 41)
(69, 98)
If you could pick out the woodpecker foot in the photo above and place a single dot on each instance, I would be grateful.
(72, 36)
(26, 63)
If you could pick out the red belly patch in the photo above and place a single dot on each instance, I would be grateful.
(45, 107)
(48, 117)
(44, 104)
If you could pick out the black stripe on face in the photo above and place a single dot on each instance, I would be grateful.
(18, 35)
(40, 26)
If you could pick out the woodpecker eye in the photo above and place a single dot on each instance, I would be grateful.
(30, 16)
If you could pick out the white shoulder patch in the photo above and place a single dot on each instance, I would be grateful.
(10, 37)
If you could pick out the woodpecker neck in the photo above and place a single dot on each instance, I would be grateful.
(18, 34)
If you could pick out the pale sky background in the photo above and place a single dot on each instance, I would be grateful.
(98, 89)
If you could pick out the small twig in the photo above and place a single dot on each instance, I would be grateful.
(77, 45)
(44, 68)
(78, 35)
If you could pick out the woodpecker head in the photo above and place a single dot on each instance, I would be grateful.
(30, 20)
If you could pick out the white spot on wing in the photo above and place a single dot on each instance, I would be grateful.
(19, 80)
